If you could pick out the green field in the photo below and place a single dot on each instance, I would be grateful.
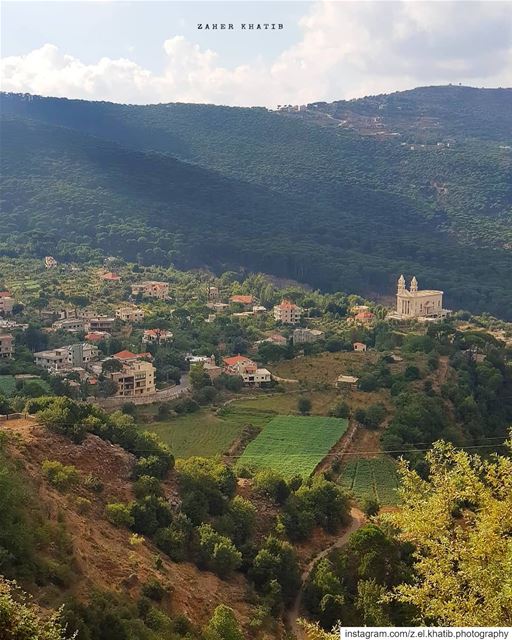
(7, 385)
(204, 433)
(371, 478)
(293, 444)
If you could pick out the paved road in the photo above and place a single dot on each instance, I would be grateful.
(293, 614)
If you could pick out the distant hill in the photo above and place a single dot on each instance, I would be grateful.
(339, 207)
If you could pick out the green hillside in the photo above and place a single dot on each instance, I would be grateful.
(334, 207)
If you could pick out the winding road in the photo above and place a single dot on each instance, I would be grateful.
(357, 521)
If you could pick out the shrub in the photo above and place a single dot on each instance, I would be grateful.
(271, 484)
(217, 552)
(173, 542)
(119, 514)
(83, 505)
(371, 507)
(63, 477)
(93, 483)
(147, 486)
(153, 590)
(304, 405)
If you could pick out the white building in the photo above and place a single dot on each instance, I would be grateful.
(73, 355)
(151, 289)
(156, 336)
(302, 335)
(287, 312)
(72, 325)
(247, 369)
(130, 314)
(416, 303)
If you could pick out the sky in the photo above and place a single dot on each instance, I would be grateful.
(153, 51)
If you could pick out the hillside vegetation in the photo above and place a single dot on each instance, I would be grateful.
(338, 207)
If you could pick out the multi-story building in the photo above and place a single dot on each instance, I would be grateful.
(247, 369)
(50, 262)
(73, 325)
(151, 289)
(287, 312)
(136, 378)
(6, 345)
(7, 302)
(101, 323)
(156, 336)
(67, 357)
(302, 335)
(130, 314)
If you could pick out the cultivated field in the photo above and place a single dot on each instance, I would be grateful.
(293, 444)
(371, 478)
(205, 433)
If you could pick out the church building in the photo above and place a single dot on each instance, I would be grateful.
(415, 303)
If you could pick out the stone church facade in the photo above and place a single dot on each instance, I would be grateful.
(417, 303)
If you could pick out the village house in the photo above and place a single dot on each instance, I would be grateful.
(275, 338)
(7, 302)
(212, 370)
(287, 312)
(242, 299)
(50, 262)
(101, 323)
(151, 289)
(192, 360)
(6, 345)
(213, 293)
(73, 325)
(136, 379)
(97, 336)
(364, 317)
(67, 357)
(305, 336)
(247, 369)
(414, 303)
(359, 308)
(344, 381)
(130, 314)
(156, 336)
(217, 306)
(359, 346)
(12, 324)
(110, 276)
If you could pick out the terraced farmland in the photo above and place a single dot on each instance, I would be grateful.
(371, 478)
(293, 444)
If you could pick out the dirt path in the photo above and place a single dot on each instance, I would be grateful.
(294, 613)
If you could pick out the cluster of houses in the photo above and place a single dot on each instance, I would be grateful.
(134, 375)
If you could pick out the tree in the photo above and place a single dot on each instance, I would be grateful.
(459, 520)
(20, 619)
(223, 625)
(273, 485)
(304, 405)
(111, 365)
(198, 377)
(217, 552)
(276, 560)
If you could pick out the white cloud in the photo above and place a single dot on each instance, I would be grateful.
(347, 49)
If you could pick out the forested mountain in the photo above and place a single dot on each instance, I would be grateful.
(426, 189)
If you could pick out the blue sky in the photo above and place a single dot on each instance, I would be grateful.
(91, 30)
(143, 52)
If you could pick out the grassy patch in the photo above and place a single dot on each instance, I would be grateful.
(7, 385)
(293, 444)
(371, 478)
(205, 433)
